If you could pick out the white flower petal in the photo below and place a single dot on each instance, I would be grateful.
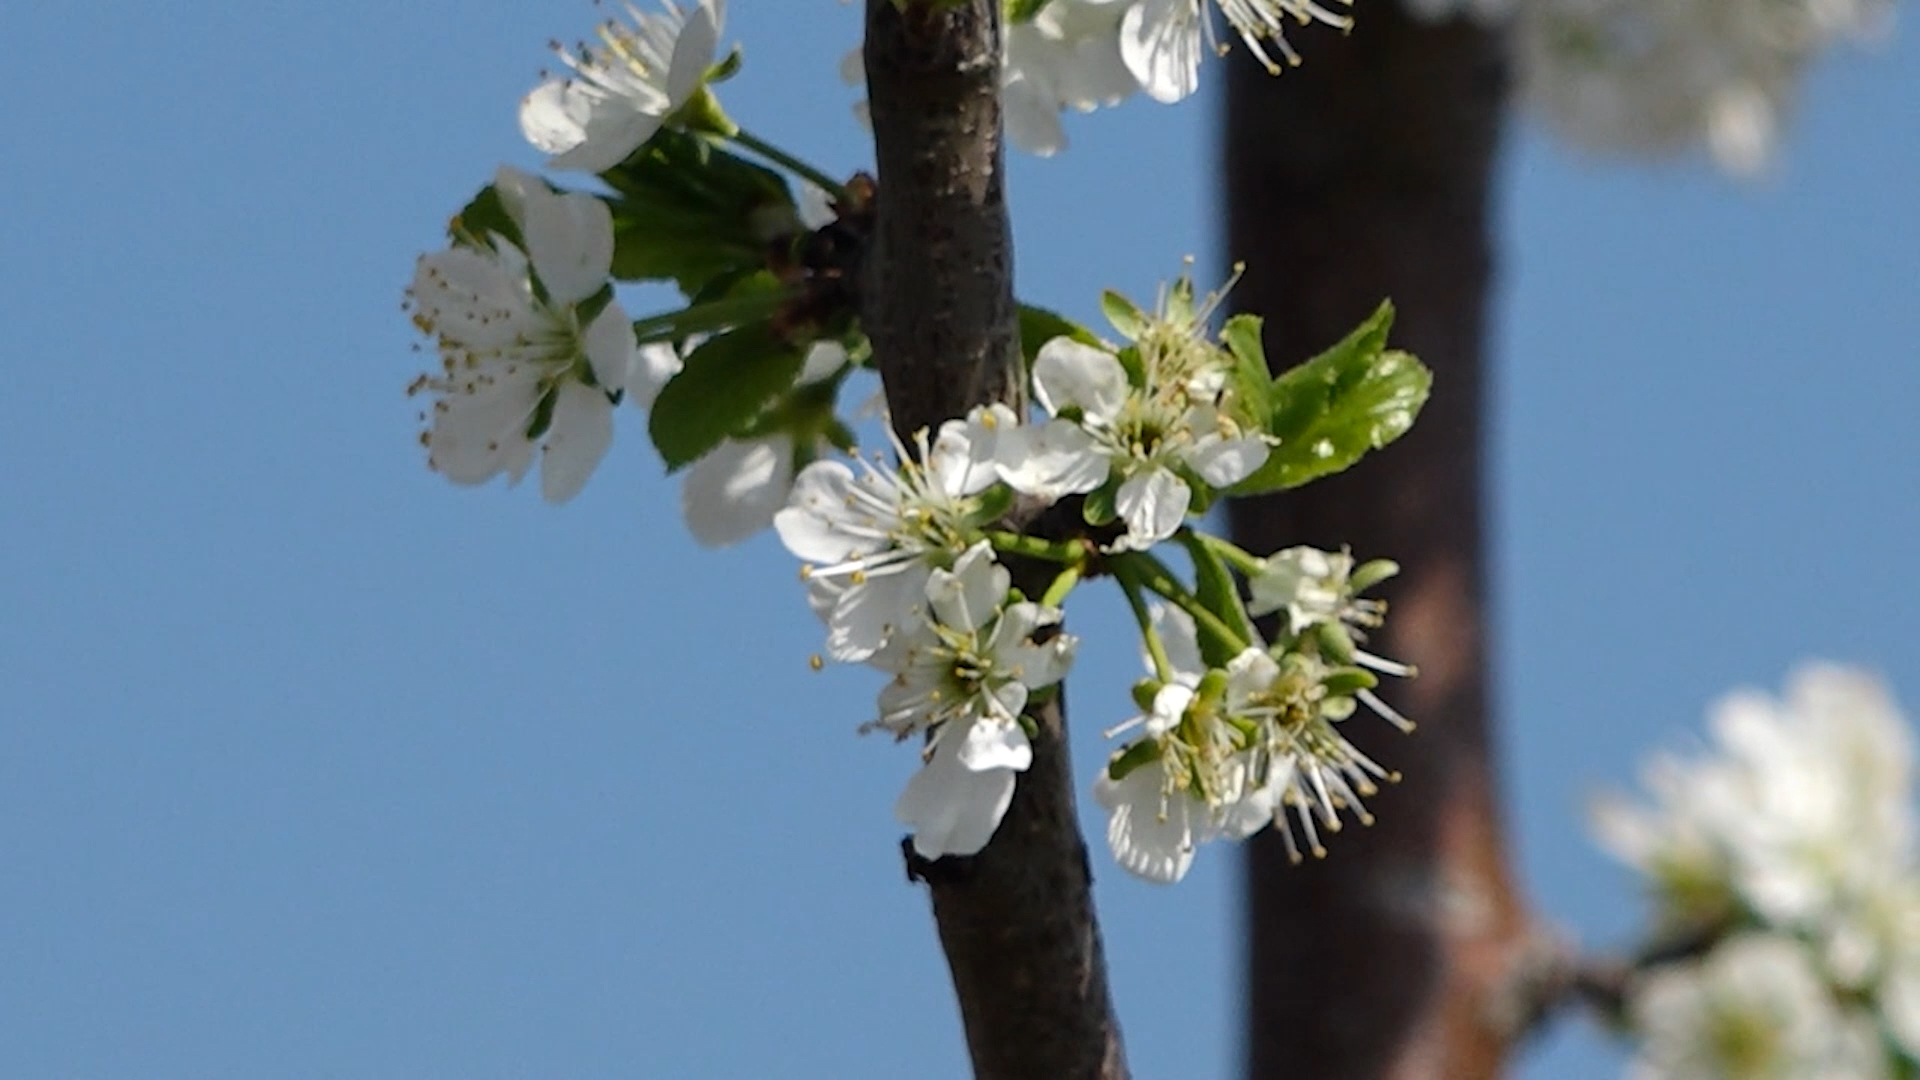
(824, 358)
(1160, 43)
(553, 117)
(811, 523)
(1052, 460)
(475, 436)
(1031, 116)
(1146, 843)
(952, 809)
(581, 432)
(870, 611)
(1225, 462)
(991, 744)
(570, 240)
(693, 52)
(653, 364)
(953, 464)
(611, 132)
(1153, 504)
(1068, 373)
(609, 346)
(734, 491)
(969, 596)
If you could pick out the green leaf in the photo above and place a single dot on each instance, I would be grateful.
(542, 417)
(1214, 587)
(1023, 11)
(1122, 314)
(725, 384)
(1039, 326)
(480, 218)
(688, 211)
(1331, 410)
(1252, 382)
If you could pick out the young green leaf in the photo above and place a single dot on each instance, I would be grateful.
(688, 211)
(481, 218)
(1214, 587)
(1039, 326)
(1331, 410)
(725, 384)
(1125, 317)
(1252, 382)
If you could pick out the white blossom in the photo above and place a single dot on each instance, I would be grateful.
(1196, 775)
(1796, 815)
(1755, 1008)
(1147, 436)
(874, 536)
(735, 490)
(1067, 56)
(1650, 76)
(624, 90)
(1320, 589)
(965, 673)
(1161, 40)
(517, 367)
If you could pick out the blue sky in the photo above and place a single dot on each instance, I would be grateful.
(314, 765)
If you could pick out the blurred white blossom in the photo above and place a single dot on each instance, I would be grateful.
(1804, 804)
(1660, 75)
(1755, 1008)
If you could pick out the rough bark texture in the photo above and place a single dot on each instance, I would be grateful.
(938, 300)
(1365, 174)
(1016, 920)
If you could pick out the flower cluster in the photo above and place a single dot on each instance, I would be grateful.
(947, 564)
(1224, 749)
(901, 566)
(1789, 851)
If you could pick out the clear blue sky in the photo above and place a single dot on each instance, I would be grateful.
(314, 765)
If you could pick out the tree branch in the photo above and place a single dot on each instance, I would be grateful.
(1016, 920)
(1366, 174)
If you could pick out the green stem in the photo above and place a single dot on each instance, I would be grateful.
(1156, 649)
(1062, 585)
(748, 140)
(722, 314)
(1161, 581)
(1058, 551)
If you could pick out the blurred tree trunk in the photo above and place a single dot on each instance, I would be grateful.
(1366, 174)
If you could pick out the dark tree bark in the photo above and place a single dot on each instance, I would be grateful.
(1016, 920)
(1365, 174)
